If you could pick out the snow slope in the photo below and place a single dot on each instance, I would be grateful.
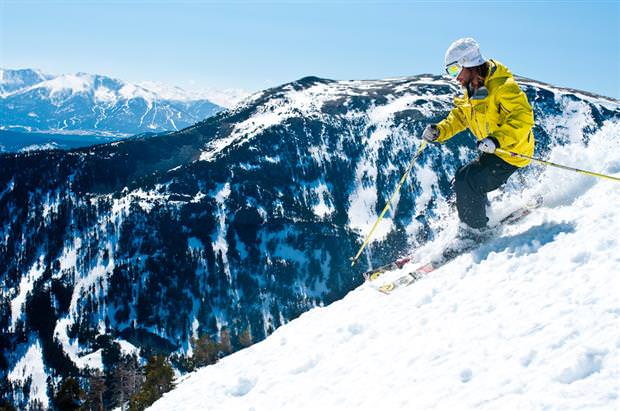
(528, 321)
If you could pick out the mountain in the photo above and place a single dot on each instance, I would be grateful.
(15, 80)
(527, 321)
(237, 224)
(33, 101)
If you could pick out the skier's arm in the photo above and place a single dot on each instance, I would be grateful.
(516, 117)
(451, 125)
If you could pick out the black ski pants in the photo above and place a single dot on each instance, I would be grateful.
(472, 183)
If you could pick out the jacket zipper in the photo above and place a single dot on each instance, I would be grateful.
(473, 113)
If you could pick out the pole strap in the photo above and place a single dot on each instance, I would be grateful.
(549, 163)
(389, 203)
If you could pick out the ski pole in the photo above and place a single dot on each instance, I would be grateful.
(389, 203)
(549, 163)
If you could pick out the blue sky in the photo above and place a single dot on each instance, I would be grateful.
(258, 44)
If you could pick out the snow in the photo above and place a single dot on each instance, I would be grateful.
(25, 286)
(575, 117)
(72, 348)
(363, 199)
(69, 257)
(95, 278)
(75, 83)
(604, 101)
(426, 180)
(148, 90)
(362, 216)
(222, 97)
(105, 95)
(384, 113)
(228, 97)
(322, 209)
(39, 147)
(31, 366)
(219, 244)
(293, 103)
(130, 91)
(244, 131)
(527, 321)
(14, 79)
(9, 187)
(127, 348)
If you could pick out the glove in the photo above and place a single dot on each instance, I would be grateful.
(431, 133)
(488, 145)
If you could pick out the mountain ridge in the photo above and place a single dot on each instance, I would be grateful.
(33, 101)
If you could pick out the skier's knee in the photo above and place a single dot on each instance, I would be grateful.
(461, 182)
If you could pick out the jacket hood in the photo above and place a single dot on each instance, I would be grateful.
(497, 71)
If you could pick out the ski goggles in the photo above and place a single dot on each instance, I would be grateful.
(453, 69)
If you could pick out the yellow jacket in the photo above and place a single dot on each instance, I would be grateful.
(504, 114)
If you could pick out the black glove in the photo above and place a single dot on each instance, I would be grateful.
(488, 145)
(431, 133)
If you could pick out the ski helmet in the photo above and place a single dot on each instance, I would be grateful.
(465, 52)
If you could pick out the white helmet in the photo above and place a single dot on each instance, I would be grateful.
(465, 52)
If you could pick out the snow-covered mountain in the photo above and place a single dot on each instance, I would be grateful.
(15, 80)
(527, 321)
(32, 101)
(246, 220)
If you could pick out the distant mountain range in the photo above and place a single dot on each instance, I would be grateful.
(19, 141)
(95, 105)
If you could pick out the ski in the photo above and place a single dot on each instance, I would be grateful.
(421, 271)
(446, 257)
(374, 273)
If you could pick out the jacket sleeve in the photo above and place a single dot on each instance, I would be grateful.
(516, 117)
(451, 125)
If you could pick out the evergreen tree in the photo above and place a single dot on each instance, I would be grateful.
(36, 405)
(127, 379)
(158, 376)
(245, 339)
(225, 342)
(96, 388)
(205, 351)
(69, 396)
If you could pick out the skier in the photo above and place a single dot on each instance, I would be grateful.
(498, 114)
